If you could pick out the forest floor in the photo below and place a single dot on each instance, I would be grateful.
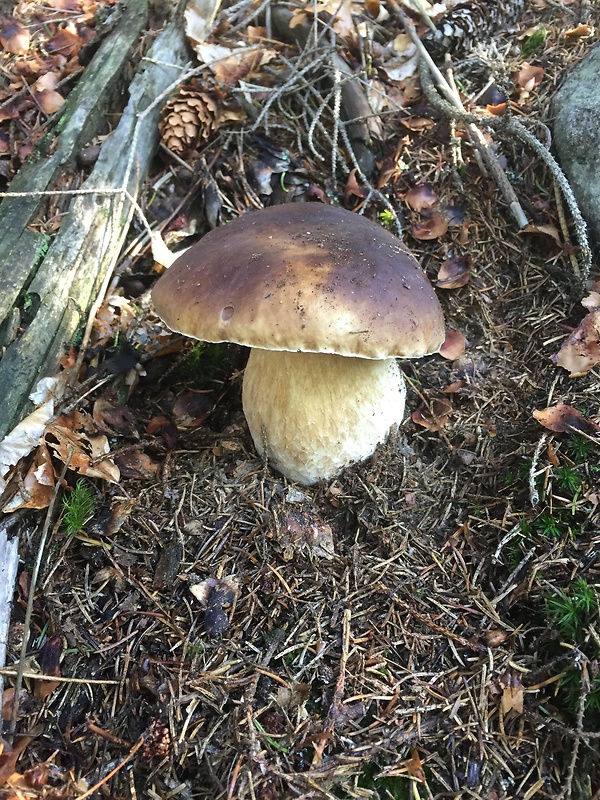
(425, 625)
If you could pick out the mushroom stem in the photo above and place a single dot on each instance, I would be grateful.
(315, 413)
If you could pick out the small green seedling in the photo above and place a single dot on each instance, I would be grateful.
(570, 612)
(548, 525)
(270, 739)
(579, 448)
(78, 507)
(568, 479)
(387, 219)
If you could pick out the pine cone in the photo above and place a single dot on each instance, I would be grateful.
(158, 740)
(189, 117)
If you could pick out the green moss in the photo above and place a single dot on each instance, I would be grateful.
(386, 218)
(568, 479)
(393, 788)
(204, 364)
(579, 448)
(534, 42)
(570, 612)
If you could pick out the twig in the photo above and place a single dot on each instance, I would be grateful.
(563, 730)
(367, 183)
(338, 693)
(12, 673)
(428, 68)
(346, 98)
(514, 531)
(534, 495)
(455, 637)
(562, 221)
(507, 586)
(110, 737)
(425, 16)
(583, 696)
(518, 129)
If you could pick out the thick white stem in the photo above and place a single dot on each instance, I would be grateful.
(315, 413)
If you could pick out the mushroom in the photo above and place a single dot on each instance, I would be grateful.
(327, 300)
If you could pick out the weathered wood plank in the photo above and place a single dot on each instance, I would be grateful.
(9, 561)
(83, 116)
(88, 243)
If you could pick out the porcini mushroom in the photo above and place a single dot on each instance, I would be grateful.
(327, 300)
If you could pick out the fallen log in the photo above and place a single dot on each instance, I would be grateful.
(50, 282)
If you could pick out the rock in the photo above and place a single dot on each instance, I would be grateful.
(576, 109)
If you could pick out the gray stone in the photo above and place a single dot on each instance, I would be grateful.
(576, 110)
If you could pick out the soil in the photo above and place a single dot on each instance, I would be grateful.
(424, 625)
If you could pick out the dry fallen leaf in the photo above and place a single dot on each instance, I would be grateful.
(454, 273)
(454, 345)
(27, 434)
(433, 225)
(341, 20)
(165, 428)
(293, 695)
(529, 76)
(546, 230)
(231, 66)
(563, 418)
(388, 168)
(75, 435)
(23, 439)
(512, 693)
(495, 637)
(455, 386)
(581, 351)
(339, 13)
(35, 489)
(193, 406)
(415, 767)
(113, 419)
(197, 22)
(353, 188)
(65, 42)
(49, 661)
(217, 596)
(373, 7)
(433, 416)
(420, 197)
(132, 463)
(114, 316)
(579, 32)
(49, 101)
(10, 755)
(303, 530)
(497, 110)
(14, 37)
(396, 60)
(417, 123)
(12, 108)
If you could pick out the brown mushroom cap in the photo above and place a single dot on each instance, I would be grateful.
(303, 277)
